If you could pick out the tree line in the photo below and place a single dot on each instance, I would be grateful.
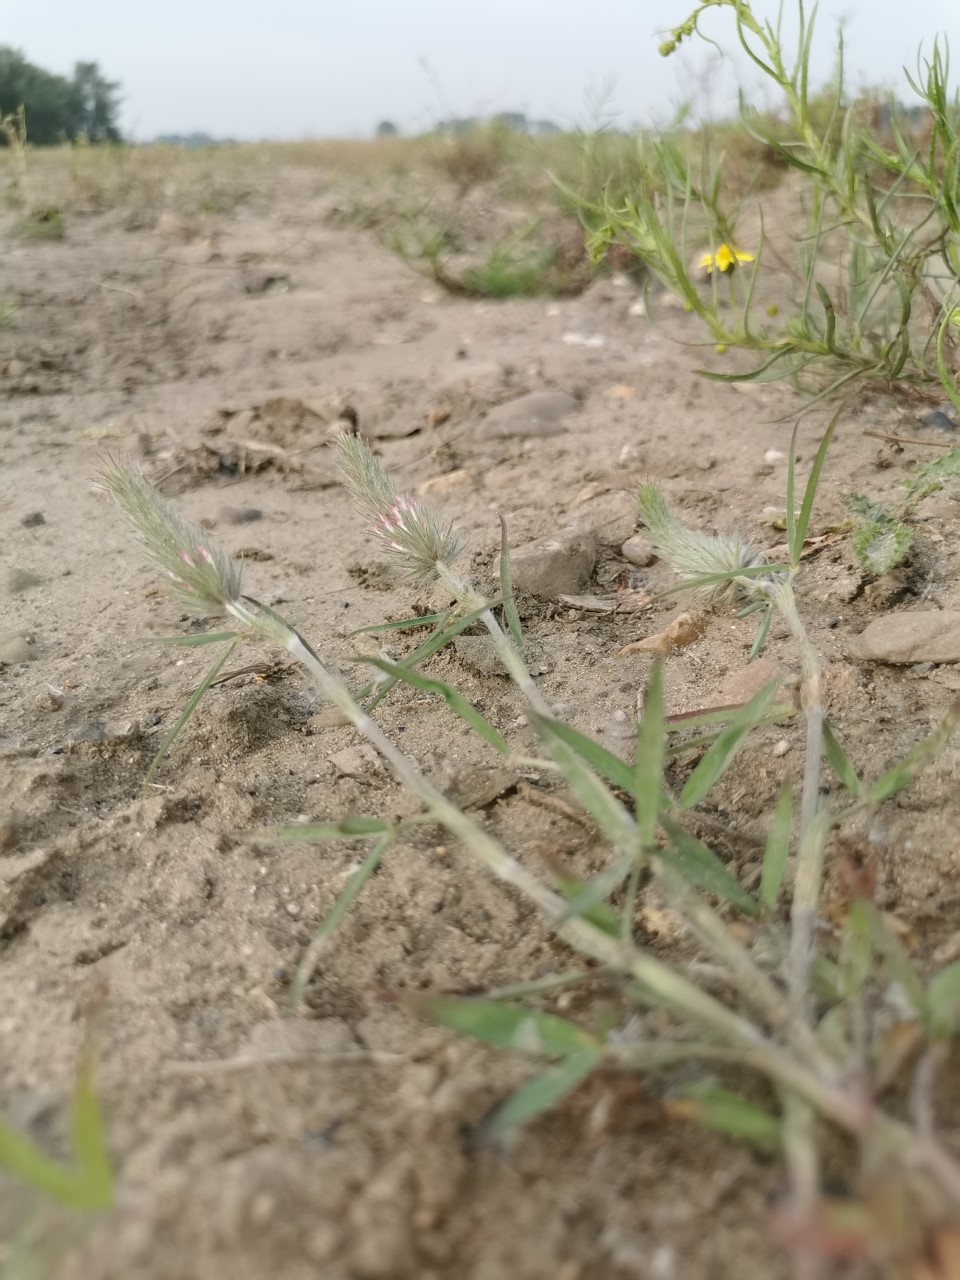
(59, 108)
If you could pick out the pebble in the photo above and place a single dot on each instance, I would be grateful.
(240, 515)
(938, 419)
(774, 455)
(10, 825)
(540, 413)
(22, 580)
(356, 762)
(923, 636)
(639, 550)
(33, 520)
(555, 566)
(17, 646)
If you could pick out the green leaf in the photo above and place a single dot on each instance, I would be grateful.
(358, 828)
(856, 951)
(506, 590)
(840, 762)
(761, 637)
(541, 1093)
(701, 866)
(405, 624)
(193, 703)
(902, 774)
(726, 1112)
(351, 891)
(89, 1141)
(777, 852)
(196, 641)
(802, 522)
(456, 701)
(505, 1026)
(718, 757)
(20, 1157)
(901, 967)
(586, 897)
(880, 545)
(433, 643)
(602, 761)
(648, 771)
(943, 1003)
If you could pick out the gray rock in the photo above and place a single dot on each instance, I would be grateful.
(540, 413)
(22, 580)
(925, 636)
(17, 646)
(560, 565)
(33, 520)
(639, 550)
(356, 762)
(240, 515)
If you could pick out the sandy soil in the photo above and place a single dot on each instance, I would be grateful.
(354, 1157)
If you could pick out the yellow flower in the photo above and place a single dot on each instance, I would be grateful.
(725, 259)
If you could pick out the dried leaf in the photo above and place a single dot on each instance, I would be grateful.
(682, 631)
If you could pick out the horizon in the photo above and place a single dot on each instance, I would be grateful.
(293, 74)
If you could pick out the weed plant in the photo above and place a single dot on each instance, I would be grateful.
(781, 1004)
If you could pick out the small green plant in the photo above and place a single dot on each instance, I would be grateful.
(877, 258)
(882, 537)
(787, 1009)
(8, 311)
(87, 1183)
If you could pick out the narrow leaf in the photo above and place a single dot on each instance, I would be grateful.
(902, 774)
(27, 1163)
(943, 1003)
(810, 493)
(434, 642)
(456, 701)
(541, 1093)
(701, 866)
(506, 590)
(777, 852)
(840, 761)
(505, 1026)
(727, 1112)
(586, 897)
(887, 943)
(351, 891)
(718, 757)
(602, 761)
(404, 624)
(194, 701)
(89, 1141)
(206, 637)
(648, 770)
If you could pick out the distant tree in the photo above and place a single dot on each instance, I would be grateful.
(387, 129)
(96, 101)
(58, 108)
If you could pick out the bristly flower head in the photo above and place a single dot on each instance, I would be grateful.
(202, 576)
(409, 531)
(699, 555)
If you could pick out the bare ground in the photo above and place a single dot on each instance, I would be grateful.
(221, 361)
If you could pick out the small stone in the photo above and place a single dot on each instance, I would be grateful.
(121, 731)
(445, 483)
(17, 646)
(923, 636)
(91, 731)
(10, 827)
(540, 413)
(293, 909)
(22, 580)
(774, 455)
(328, 718)
(356, 762)
(639, 550)
(781, 748)
(240, 515)
(555, 566)
(939, 420)
(33, 520)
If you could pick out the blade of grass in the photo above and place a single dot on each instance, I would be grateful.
(810, 492)
(840, 762)
(542, 1092)
(902, 774)
(700, 866)
(718, 757)
(506, 590)
(433, 644)
(647, 781)
(505, 1026)
(89, 1142)
(358, 828)
(351, 891)
(194, 701)
(196, 641)
(454, 700)
(405, 624)
(777, 852)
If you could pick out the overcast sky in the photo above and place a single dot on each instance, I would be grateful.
(302, 68)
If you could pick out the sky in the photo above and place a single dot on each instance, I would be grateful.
(289, 69)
